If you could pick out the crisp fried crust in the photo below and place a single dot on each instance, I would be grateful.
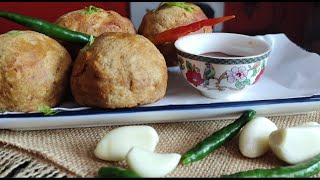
(33, 71)
(119, 70)
(155, 22)
(96, 23)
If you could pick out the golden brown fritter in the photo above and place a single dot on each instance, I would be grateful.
(33, 71)
(119, 70)
(168, 17)
(95, 21)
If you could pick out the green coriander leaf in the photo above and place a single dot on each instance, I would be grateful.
(91, 10)
(182, 5)
(47, 111)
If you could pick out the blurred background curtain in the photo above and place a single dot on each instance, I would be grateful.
(300, 21)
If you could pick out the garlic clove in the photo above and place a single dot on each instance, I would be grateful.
(115, 145)
(254, 137)
(150, 164)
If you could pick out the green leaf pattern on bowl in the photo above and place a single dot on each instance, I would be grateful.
(237, 77)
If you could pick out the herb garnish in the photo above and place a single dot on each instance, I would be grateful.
(47, 111)
(183, 5)
(91, 10)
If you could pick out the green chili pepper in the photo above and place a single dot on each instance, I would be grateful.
(116, 172)
(47, 28)
(217, 139)
(305, 169)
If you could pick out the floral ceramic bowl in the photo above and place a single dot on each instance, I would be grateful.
(236, 62)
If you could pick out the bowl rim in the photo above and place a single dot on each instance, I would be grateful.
(224, 60)
(233, 61)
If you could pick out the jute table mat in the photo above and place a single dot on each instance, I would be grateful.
(17, 163)
(72, 149)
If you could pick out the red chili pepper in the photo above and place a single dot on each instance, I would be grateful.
(172, 35)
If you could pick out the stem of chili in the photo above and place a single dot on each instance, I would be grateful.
(48, 28)
(172, 35)
(217, 139)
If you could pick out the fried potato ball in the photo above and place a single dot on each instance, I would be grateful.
(168, 17)
(95, 21)
(119, 70)
(33, 71)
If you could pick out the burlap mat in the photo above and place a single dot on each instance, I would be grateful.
(72, 149)
(16, 163)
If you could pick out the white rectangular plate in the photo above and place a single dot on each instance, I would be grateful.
(289, 85)
(157, 114)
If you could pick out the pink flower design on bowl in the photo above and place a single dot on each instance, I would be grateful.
(237, 74)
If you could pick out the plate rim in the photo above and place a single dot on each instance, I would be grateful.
(97, 111)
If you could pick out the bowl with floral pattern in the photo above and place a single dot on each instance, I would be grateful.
(222, 65)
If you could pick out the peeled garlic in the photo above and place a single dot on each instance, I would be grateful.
(150, 164)
(296, 144)
(115, 145)
(253, 139)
